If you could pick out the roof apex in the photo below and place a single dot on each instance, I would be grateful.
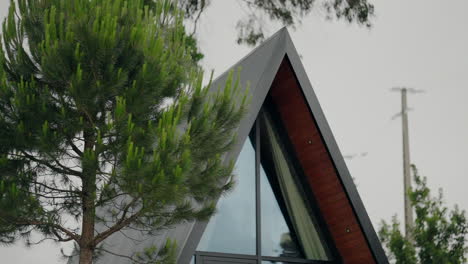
(258, 71)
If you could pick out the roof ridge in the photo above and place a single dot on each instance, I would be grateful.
(277, 35)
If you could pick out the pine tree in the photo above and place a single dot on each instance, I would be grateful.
(439, 235)
(104, 120)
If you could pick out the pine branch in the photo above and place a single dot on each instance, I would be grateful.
(60, 238)
(71, 235)
(121, 256)
(102, 201)
(123, 222)
(55, 189)
(62, 170)
(42, 240)
(74, 147)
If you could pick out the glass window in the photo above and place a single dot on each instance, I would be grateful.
(277, 238)
(232, 228)
(282, 171)
(288, 228)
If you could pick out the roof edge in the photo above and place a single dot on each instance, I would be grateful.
(337, 158)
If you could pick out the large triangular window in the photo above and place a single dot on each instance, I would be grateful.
(267, 218)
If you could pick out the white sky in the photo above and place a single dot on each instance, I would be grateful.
(418, 43)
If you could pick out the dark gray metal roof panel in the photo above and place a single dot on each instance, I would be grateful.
(258, 69)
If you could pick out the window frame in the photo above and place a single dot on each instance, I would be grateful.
(255, 135)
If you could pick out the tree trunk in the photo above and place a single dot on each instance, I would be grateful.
(86, 255)
(88, 193)
(87, 235)
(87, 227)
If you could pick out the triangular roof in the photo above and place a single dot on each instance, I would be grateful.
(261, 70)
(265, 70)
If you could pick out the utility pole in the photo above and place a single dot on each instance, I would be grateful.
(406, 163)
(406, 156)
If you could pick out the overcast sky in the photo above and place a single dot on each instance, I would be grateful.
(418, 43)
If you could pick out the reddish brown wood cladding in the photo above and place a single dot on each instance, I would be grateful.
(318, 167)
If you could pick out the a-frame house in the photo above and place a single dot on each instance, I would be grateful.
(295, 201)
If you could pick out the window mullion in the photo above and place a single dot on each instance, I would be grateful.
(257, 192)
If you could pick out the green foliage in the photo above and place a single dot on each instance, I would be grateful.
(400, 248)
(287, 12)
(103, 119)
(439, 235)
(154, 256)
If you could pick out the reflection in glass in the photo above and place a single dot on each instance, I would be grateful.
(300, 218)
(277, 239)
(232, 228)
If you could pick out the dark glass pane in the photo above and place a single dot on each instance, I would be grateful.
(277, 238)
(232, 228)
(293, 218)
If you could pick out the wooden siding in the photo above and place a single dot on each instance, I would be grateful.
(318, 167)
